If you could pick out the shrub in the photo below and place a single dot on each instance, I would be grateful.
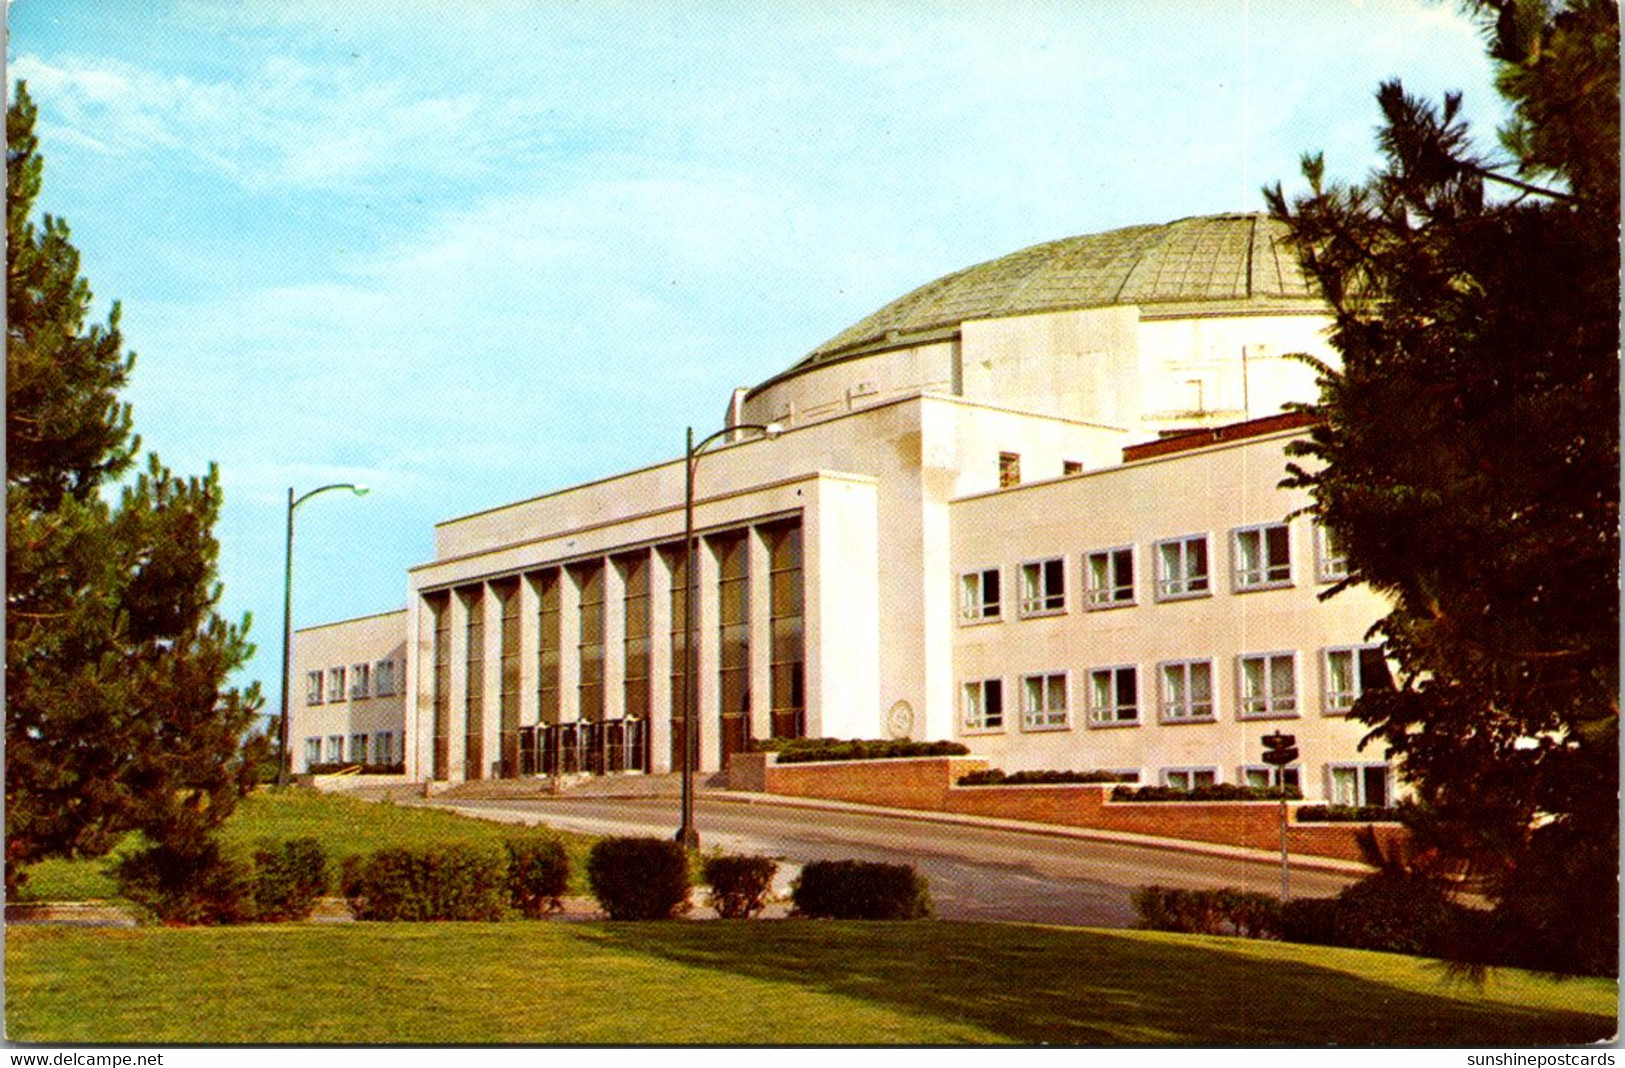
(201, 884)
(739, 885)
(1347, 814)
(1390, 912)
(996, 777)
(1310, 920)
(288, 878)
(806, 750)
(861, 890)
(449, 882)
(1222, 791)
(639, 878)
(1229, 911)
(538, 874)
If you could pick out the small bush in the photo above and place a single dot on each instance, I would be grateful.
(450, 882)
(1222, 791)
(861, 890)
(1347, 814)
(1390, 912)
(739, 885)
(806, 750)
(996, 777)
(639, 878)
(288, 878)
(1223, 912)
(1310, 920)
(204, 884)
(538, 874)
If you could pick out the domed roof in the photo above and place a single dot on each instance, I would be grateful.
(1202, 265)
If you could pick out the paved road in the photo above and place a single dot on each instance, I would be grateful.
(976, 872)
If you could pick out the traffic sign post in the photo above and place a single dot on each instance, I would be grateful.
(1279, 751)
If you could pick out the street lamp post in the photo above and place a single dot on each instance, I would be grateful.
(686, 832)
(284, 765)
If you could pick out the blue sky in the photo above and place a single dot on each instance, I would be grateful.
(469, 253)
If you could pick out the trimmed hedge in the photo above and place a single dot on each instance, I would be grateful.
(1227, 911)
(1347, 814)
(807, 750)
(288, 878)
(861, 890)
(448, 882)
(995, 777)
(739, 886)
(639, 878)
(1223, 791)
(538, 874)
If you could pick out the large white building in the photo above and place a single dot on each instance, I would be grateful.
(1032, 506)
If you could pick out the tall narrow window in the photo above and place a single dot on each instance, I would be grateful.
(474, 688)
(383, 678)
(1182, 567)
(440, 608)
(507, 593)
(1187, 691)
(590, 581)
(313, 752)
(1009, 469)
(1331, 558)
(677, 564)
(313, 687)
(733, 638)
(979, 596)
(547, 656)
(1110, 577)
(360, 681)
(788, 700)
(635, 614)
(1043, 587)
(1268, 685)
(335, 684)
(1262, 557)
(358, 749)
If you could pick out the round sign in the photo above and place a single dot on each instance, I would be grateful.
(900, 720)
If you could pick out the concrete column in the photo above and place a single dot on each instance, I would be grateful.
(660, 705)
(456, 750)
(569, 654)
(530, 650)
(761, 634)
(417, 689)
(614, 641)
(708, 617)
(491, 705)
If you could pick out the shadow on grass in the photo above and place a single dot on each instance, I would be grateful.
(1054, 985)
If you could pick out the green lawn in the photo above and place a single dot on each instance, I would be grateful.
(759, 982)
(344, 826)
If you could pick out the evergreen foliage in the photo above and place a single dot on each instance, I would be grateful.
(117, 714)
(1468, 461)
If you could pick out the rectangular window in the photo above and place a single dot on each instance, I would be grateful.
(979, 596)
(589, 580)
(1358, 784)
(473, 599)
(984, 705)
(335, 748)
(507, 595)
(335, 684)
(548, 626)
(1110, 577)
(360, 681)
(1189, 778)
(1261, 557)
(1043, 587)
(358, 748)
(1071, 467)
(384, 747)
(787, 629)
(313, 752)
(1114, 695)
(1009, 469)
(1182, 567)
(313, 688)
(1269, 684)
(1263, 776)
(1331, 559)
(1043, 702)
(635, 641)
(733, 637)
(439, 605)
(383, 678)
(1350, 672)
(1187, 691)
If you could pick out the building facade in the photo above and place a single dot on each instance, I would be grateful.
(1032, 506)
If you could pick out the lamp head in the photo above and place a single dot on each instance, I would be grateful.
(360, 490)
(773, 430)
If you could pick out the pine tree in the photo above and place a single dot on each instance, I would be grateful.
(1468, 459)
(118, 715)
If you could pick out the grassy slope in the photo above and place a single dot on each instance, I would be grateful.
(763, 982)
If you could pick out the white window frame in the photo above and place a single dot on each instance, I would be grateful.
(1245, 773)
(360, 681)
(313, 751)
(313, 686)
(1267, 573)
(1181, 709)
(1268, 704)
(974, 716)
(1037, 596)
(335, 748)
(1340, 702)
(1175, 580)
(1331, 561)
(1038, 708)
(335, 685)
(358, 749)
(1166, 776)
(1113, 591)
(384, 747)
(383, 678)
(1361, 795)
(1098, 710)
(973, 604)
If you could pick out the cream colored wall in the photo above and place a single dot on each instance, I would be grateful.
(1213, 491)
(1079, 364)
(845, 386)
(346, 644)
(1174, 353)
